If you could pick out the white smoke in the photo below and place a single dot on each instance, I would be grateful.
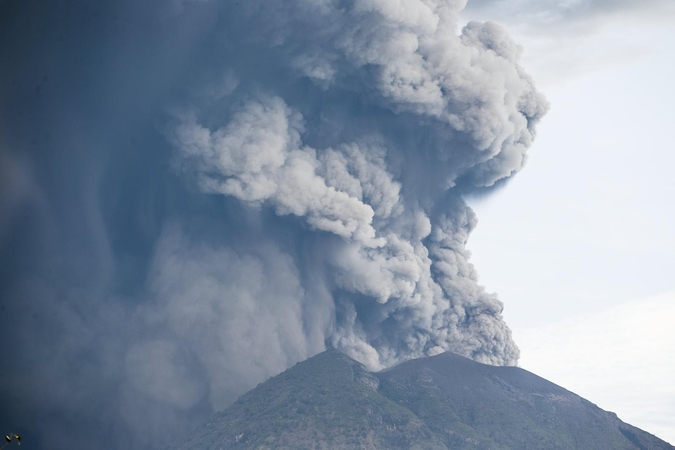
(259, 158)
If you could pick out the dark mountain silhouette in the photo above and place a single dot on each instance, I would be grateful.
(437, 403)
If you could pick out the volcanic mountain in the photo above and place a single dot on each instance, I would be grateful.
(441, 402)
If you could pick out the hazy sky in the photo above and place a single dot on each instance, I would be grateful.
(581, 245)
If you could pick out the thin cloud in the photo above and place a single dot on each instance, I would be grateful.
(566, 20)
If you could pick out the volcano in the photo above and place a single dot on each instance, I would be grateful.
(440, 402)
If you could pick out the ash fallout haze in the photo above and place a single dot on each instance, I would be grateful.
(195, 195)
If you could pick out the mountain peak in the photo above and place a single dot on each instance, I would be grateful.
(441, 402)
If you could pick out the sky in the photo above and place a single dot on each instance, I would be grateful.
(197, 194)
(590, 220)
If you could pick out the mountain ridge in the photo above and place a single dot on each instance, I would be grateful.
(443, 402)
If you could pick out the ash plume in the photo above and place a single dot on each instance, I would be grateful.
(198, 194)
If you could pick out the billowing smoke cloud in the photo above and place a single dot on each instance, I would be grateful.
(198, 194)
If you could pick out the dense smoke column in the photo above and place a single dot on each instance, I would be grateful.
(197, 194)
(365, 132)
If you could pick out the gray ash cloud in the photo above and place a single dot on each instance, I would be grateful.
(198, 194)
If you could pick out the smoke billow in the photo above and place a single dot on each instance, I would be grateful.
(198, 194)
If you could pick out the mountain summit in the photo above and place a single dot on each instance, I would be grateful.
(441, 402)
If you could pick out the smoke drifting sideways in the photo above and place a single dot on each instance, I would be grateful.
(196, 195)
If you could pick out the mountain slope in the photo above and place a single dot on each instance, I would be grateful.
(437, 403)
(326, 402)
(472, 405)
